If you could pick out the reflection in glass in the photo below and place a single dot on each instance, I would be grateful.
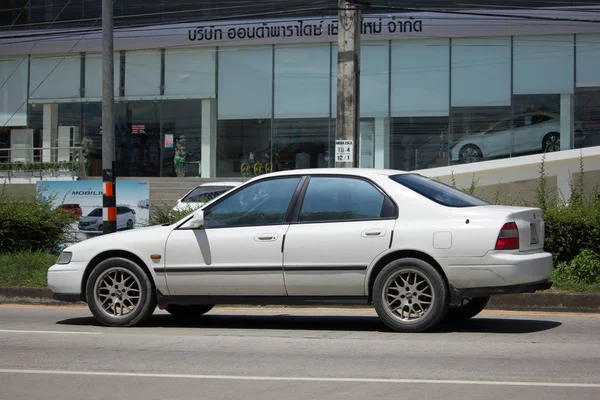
(418, 143)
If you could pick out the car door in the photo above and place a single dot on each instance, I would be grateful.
(498, 140)
(342, 224)
(238, 251)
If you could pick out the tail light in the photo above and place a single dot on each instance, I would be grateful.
(133, 212)
(508, 239)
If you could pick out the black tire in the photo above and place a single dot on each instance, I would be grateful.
(467, 310)
(188, 311)
(100, 228)
(551, 142)
(470, 153)
(431, 316)
(95, 291)
(129, 224)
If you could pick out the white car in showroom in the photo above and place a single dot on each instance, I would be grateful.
(519, 134)
(201, 194)
(418, 250)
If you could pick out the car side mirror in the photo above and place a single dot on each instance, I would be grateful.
(197, 220)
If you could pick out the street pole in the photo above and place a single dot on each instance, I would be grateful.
(348, 85)
(109, 199)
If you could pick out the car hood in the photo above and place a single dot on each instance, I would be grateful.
(124, 240)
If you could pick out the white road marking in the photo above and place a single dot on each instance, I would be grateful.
(55, 332)
(305, 379)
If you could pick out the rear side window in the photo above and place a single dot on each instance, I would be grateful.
(438, 191)
(96, 212)
(331, 199)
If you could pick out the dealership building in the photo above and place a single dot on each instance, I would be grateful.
(229, 97)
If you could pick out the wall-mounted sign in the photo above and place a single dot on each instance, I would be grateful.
(344, 151)
(138, 129)
(168, 141)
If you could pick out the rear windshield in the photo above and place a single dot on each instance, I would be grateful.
(438, 191)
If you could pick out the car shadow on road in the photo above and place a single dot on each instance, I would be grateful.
(326, 323)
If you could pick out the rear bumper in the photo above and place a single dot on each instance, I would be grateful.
(458, 294)
(499, 273)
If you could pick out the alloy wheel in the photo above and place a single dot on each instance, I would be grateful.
(408, 295)
(117, 292)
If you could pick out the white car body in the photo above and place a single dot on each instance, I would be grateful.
(320, 262)
(126, 219)
(519, 134)
(187, 204)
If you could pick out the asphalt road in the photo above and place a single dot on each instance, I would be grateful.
(234, 353)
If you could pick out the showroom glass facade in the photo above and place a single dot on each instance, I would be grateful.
(424, 103)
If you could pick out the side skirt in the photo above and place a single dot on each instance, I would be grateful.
(164, 301)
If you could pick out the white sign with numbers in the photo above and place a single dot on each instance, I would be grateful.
(344, 151)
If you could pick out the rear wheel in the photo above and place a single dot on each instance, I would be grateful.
(410, 295)
(188, 311)
(470, 154)
(120, 293)
(467, 309)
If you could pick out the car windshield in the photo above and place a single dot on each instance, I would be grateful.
(438, 191)
(97, 212)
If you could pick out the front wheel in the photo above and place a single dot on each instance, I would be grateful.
(551, 142)
(467, 309)
(188, 311)
(410, 295)
(120, 293)
(470, 154)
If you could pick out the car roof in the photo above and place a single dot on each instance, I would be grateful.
(232, 184)
(364, 172)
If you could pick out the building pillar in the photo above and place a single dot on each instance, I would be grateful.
(49, 132)
(209, 138)
(382, 143)
(567, 111)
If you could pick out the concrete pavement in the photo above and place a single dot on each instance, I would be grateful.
(262, 353)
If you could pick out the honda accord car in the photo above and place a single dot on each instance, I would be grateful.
(416, 249)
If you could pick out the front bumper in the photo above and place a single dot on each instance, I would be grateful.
(64, 280)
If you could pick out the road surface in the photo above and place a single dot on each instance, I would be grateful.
(293, 353)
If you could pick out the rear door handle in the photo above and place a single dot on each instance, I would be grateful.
(266, 237)
(373, 233)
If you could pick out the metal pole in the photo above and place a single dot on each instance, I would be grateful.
(109, 202)
(348, 85)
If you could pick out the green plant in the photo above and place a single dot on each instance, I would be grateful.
(32, 223)
(25, 268)
(165, 214)
(584, 269)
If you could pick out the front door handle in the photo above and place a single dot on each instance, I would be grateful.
(373, 233)
(266, 237)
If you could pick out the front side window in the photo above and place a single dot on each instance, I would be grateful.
(263, 203)
(438, 191)
(330, 199)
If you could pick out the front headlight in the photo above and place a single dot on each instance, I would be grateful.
(64, 258)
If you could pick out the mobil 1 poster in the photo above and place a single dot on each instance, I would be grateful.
(83, 199)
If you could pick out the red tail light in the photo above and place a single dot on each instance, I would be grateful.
(508, 239)
(133, 212)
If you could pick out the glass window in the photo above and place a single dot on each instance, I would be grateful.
(262, 203)
(418, 143)
(302, 74)
(588, 58)
(340, 199)
(543, 64)
(419, 78)
(243, 147)
(245, 82)
(302, 143)
(96, 212)
(190, 73)
(93, 75)
(438, 191)
(13, 92)
(481, 72)
(204, 194)
(142, 74)
(55, 78)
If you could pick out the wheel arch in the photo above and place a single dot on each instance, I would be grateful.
(112, 254)
(396, 255)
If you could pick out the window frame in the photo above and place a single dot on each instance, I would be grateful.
(389, 208)
(288, 214)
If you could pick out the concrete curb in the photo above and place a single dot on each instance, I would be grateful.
(541, 301)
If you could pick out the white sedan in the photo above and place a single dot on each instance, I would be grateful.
(418, 250)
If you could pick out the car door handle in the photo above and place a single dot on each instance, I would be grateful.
(373, 233)
(266, 237)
